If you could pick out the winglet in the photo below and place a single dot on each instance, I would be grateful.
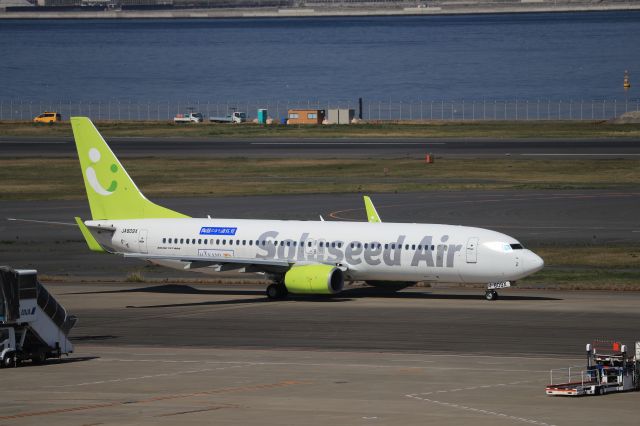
(372, 214)
(91, 241)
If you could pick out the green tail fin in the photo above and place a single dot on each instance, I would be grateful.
(111, 192)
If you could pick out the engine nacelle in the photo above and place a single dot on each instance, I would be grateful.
(314, 279)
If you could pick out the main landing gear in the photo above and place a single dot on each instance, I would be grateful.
(277, 291)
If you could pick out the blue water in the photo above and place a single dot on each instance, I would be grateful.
(557, 56)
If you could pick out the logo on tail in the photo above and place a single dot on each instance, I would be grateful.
(92, 178)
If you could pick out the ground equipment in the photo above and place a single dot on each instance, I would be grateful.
(33, 325)
(609, 369)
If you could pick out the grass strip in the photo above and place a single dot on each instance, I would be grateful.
(409, 129)
(60, 178)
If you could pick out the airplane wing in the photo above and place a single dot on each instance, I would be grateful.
(224, 263)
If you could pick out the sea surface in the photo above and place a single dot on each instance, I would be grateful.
(556, 56)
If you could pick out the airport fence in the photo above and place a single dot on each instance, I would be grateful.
(376, 110)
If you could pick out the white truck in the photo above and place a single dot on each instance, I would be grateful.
(235, 117)
(189, 117)
(33, 325)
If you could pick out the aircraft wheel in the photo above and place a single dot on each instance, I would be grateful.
(491, 295)
(277, 291)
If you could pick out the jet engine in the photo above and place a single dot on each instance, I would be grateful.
(314, 279)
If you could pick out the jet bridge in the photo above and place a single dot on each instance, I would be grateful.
(33, 325)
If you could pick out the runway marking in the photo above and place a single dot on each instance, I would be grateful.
(200, 410)
(422, 397)
(320, 364)
(6, 142)
(337, 213)
(577, 154)
(149, 376)
(348, 143)
(250, 388)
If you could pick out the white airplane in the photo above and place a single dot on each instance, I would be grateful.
(301, 257)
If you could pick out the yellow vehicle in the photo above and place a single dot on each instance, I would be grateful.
(48, 117)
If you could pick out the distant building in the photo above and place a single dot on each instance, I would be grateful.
(341, 116)
(305, 116)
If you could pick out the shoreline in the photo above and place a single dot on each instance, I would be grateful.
(306, 12)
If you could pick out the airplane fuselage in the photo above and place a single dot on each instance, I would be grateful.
(365, 251)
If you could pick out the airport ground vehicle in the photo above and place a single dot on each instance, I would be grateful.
(48, 117)
(33, 325)
(609, 369)
(235, 117)
(189, 117)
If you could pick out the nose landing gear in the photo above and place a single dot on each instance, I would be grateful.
(491, 293)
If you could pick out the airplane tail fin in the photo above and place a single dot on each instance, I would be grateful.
(110, 191)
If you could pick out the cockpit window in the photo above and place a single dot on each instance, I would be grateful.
(516, 246)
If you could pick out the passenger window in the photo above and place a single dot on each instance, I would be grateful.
(164, 240)
(386, 246)
(406, 246)
(230, 242)
(244, 242)
(309, 244)
(288, 243)
(224, 242)
(199, 240)
(419, 247)
(366, 245)
(205, 241)
(193, 241)
(181, 240)
(237, 242)
(218, 241)
(250, 242)
(413, 246)
(393, 246)
(187, 241)
(433, 248)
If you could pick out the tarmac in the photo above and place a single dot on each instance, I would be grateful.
(176, 350)
(225, 355)
(552, 149)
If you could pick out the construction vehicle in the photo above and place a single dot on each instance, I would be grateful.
(33, 325)
(609, 369)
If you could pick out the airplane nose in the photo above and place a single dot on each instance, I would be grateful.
(533, 262)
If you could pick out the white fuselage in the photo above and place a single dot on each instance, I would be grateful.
(365, 251)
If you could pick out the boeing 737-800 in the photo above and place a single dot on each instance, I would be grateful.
(301, 257)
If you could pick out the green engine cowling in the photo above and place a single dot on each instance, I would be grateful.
(314, 279)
